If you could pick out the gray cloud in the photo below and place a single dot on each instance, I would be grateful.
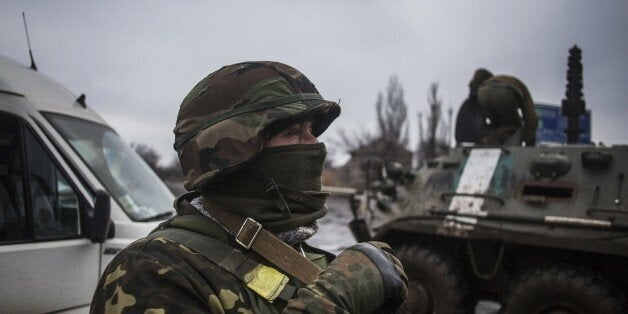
(136, 60)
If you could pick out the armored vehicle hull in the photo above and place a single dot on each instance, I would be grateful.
(538, 229)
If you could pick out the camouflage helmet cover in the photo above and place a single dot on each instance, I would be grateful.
(225, 119)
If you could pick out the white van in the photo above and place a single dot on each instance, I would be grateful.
(60, 165)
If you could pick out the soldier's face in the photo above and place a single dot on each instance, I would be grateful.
(297, 133)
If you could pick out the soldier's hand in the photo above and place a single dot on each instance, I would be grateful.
(364, 278)
(394, 278)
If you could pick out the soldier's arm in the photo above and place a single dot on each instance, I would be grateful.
(530, 119)
(308, 301)
(365, 278)
(137, 285)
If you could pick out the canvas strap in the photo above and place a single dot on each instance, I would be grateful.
(227, 258)
(250, 235)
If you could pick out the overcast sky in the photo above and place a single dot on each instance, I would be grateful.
(136, 60)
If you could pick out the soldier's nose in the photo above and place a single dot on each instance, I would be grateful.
(309, 138)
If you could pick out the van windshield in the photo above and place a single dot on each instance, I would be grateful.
(134, 186)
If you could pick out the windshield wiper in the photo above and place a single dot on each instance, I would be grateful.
(158, 216)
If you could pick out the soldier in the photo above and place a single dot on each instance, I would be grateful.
(246, 139)
(470, 121)
(500, 98)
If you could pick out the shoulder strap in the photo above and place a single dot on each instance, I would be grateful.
(235, 262)
(250, 234)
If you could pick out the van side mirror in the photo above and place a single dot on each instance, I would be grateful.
(102, 216)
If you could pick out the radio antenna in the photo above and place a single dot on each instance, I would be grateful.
(28, 40)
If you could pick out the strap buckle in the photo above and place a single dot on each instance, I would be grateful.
(246, 230)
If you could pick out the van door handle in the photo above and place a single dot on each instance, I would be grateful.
(111, 251)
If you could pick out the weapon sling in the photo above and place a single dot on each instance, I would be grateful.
(250, 234)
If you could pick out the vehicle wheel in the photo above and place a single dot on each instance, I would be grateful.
(434, 284)
(561, 290)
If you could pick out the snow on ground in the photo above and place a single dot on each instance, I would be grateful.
(334, 234)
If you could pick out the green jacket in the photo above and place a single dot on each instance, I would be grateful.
(530, 118)
(158, 275)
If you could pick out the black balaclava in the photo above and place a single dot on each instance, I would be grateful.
(294, 170)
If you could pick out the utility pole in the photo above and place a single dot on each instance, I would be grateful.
(573, 105)
(420, 127)
(450, 113)
(419, 147)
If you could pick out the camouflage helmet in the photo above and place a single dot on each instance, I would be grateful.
(226, 118)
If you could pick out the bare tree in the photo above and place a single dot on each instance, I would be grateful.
(353, 141)
(392, 115)
(149, 154)
(436, 142)
(434, 118)
(392, 122)
(170, 174)
(388, 143)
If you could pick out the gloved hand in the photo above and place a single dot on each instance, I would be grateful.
(395, 280)
(364, 278)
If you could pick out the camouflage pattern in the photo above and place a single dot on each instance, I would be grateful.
(500, 97)
(222, 124)
(227, 145)
(163, 276)
(352, 283)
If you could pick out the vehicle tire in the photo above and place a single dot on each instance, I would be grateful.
(434, 286)
(561, 290)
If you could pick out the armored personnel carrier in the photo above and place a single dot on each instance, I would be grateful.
(538, 229)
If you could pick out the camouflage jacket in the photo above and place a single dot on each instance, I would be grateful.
(162, 276)
(530, 119)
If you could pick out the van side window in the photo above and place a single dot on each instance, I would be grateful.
(12, 209)
(55, 204)
(39, 202)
